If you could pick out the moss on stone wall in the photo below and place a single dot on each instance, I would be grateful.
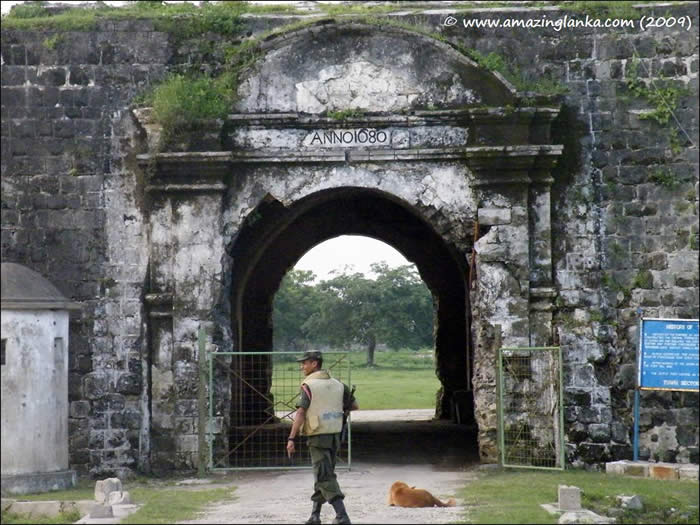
(182, 20)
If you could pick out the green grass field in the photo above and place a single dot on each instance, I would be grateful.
(161, 501)
(664, 501)
(399, 379)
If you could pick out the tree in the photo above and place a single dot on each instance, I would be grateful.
(406, 307)
(295, 301)
(344, 316)
(395, 309)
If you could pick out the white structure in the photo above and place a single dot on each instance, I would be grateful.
(34, 383)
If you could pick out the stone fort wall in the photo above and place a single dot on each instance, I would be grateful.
(624, 214)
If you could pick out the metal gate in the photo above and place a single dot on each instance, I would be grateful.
(530, 402)
(260, 395)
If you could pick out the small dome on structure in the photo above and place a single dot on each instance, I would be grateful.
(25, 289)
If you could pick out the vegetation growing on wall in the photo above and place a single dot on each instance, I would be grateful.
(190, 20)
(346, 114)
(52, 41)
(495, 62)
(183, 101)
(664, 177)
(185, 98)
(188, 96)
(662, 95)
(607, 9)
(183, 20)
(214, 96)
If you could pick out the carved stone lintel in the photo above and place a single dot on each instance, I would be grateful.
(494, 165)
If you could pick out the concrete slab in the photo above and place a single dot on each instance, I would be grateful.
(584, 516)
(663, 471)
(100, 510)
(615, 467)
(118, 511)
(87, 519)
(37, 482)
(628, 468)
(53, 508)
(124, 510)
(47, 508)
(688, 472)
(638, 471)
(552, 508)
(645, 469)
(576, 516)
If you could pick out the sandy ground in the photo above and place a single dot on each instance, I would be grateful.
(283, 496)
(386, 447)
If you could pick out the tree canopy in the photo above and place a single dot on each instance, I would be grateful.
(395, 309)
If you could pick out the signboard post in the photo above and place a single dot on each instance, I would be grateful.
(668, 360)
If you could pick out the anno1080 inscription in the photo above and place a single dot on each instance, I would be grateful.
(361, 137)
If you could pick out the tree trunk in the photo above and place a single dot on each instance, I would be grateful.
(371, 345)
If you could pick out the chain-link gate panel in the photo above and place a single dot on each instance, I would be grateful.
(264, 390)
(530, 400)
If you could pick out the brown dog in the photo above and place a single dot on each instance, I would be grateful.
(402, 495)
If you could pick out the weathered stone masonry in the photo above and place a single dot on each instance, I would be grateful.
(574, 240)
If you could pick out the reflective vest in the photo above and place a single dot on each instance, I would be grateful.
(325, 413)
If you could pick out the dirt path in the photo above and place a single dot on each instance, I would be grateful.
(387, 446)
(283, 496)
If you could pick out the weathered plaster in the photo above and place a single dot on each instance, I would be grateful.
(34, 392)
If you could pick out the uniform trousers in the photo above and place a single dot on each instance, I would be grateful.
(323, 449)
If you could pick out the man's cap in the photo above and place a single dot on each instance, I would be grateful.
(316, 356)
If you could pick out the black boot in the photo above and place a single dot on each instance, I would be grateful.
(341, 515)
(315, 517)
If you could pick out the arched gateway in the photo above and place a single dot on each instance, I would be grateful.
(355, 129)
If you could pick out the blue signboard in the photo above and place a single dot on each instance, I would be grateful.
(668, 357)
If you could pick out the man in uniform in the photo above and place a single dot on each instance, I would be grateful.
(319, 416)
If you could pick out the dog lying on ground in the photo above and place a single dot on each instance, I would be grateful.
(401, 495)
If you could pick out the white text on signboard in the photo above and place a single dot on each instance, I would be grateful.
(361, 137)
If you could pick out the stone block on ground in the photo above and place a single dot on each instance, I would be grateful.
(583, 516)
(123, 510)
(552, 508)
(638, 470)
(663, 471)
(630, 502)
(615, 467)
(103, 488)
(569, 498)
(120, 498)
(688, 472)
(101, 511)
(628, 468)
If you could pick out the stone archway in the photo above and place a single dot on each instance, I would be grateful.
(458, 147)
(268, 248)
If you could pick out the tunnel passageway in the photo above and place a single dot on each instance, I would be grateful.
(413, 439)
